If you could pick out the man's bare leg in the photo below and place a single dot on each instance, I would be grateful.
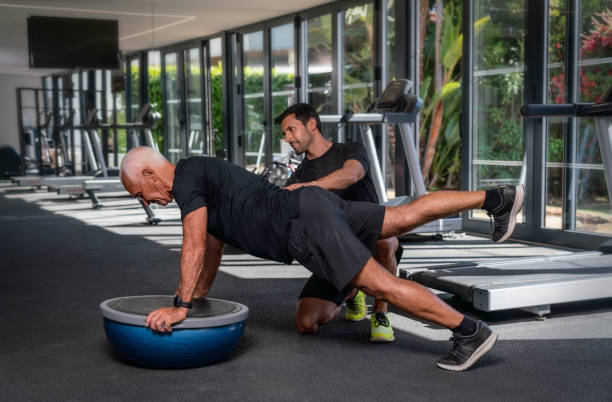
(421, 303)
(406, 295)
(427, 208)
(385, 255)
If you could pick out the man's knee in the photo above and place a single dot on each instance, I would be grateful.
(312, 313)
(375, 280)
(306, 323)
(386, 247)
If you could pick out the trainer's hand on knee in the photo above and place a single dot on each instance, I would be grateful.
(161, 320)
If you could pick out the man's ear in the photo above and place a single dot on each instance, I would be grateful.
(311, 124)
(149, 174)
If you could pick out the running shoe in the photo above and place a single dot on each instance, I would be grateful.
(504, 215)
(380, 328)
(356, 309)
(466, 350)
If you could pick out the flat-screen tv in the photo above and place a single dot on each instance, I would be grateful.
(73, 43)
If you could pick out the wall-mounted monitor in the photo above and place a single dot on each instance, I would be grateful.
(73, 43)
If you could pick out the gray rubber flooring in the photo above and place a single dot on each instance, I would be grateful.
(59, 259)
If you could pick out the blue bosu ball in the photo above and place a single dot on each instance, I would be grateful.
(212, 329)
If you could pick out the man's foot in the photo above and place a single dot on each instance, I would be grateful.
(356, 309)
(504, 215)
(468, 349)
(380, 328)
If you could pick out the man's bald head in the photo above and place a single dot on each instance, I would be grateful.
(137, 160)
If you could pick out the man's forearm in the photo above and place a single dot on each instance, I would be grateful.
(212, 260)
(338, 180)
(192, 260)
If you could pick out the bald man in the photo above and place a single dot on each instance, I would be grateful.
(334, 239)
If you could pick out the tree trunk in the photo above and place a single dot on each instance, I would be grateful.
(423, 12)
(436, 121)
(432, 141)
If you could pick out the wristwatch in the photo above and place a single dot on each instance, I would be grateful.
(179, 303)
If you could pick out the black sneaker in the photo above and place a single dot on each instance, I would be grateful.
(468, 349)
(504, 215)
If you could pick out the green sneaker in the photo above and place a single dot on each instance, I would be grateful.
(380, 328)
(356, 309)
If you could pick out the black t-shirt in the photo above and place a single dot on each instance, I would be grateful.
(244, 210)
(334, 159)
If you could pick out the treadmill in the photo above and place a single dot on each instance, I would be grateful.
(395, 106)
(533, 284)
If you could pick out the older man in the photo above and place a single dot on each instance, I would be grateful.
(334, 239)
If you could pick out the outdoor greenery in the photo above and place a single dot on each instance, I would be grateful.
(499, 31)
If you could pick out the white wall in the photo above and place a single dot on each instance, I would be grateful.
(9, 133)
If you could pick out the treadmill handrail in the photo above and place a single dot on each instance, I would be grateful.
(568, 110)
(369, 118)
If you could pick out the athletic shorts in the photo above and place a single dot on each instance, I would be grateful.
(334, 238)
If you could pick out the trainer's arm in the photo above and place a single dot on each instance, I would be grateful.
(351, 172)
(192, 260)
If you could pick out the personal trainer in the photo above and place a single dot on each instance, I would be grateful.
(344, 169)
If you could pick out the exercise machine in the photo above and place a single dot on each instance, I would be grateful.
(535, 283)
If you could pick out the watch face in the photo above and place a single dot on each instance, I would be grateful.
(177, 301)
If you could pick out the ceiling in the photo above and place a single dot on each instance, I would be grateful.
(143, 24)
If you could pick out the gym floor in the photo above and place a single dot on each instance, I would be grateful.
(60, 259)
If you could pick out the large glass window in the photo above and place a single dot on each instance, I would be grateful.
(173, 107)
(283, 80)
(390, 136)
(358, 58)
(253, 76)
(216, 91)
(319, 43)
(593, 208)
(195, 129)
(155, 94)
(497, 137)
(440, 88)
(556, 125)
(134, 95)
(120, 139)
(577, 196)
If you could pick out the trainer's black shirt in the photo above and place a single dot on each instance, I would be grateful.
(244, 210)
(334, 159)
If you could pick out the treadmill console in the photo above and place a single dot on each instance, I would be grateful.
(393, 95)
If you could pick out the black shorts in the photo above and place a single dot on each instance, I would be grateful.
(334, 238)
(322, 289)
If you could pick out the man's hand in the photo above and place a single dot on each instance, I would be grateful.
(161, 320)
(295, 186)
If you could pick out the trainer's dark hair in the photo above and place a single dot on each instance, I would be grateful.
(303, 112)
